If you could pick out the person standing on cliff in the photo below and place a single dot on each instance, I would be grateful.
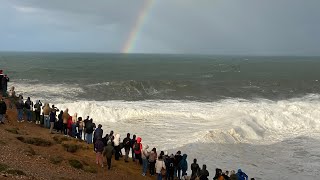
(3, 110)
(4, 84)
(37, 111)
(28, 105)
(84, 128)
(126, 144)
(108, 152)
(46, 112)
(19, 106)
(1, 76)
(65, 117)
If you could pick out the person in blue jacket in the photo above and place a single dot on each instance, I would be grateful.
(241, 175)
(184, 164)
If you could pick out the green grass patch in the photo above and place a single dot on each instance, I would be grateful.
(90, 169)
(75, 163)
(35, 141)
(71, 147)
(56, 159)
(15, 172)
(13, 130)
(3, 167)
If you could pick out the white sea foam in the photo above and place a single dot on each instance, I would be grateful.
(226, 121)
(261, 136)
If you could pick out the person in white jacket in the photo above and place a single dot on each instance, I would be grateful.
(159, 165)
(144, 156)
(117, 146)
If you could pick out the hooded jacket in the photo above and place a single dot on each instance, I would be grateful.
(65, 116)
(204, 173)
(37, 106)
(12, 93)
(97, 133)
(52, 116)
(108, 151)
(19, 104)
(99, 146)
(139, 143)
(159, 165)
(117, 140)
(153, 156)
(183, 163)
(195, 169)
(46, 109)
(241, 175)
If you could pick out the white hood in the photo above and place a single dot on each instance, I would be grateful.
(116, 140)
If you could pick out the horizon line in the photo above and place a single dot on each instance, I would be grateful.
(191, 54)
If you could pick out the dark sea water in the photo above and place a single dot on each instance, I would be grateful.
(168, 77)
(260, 114)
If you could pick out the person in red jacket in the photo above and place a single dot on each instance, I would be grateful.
(69, 125)
(137, 147)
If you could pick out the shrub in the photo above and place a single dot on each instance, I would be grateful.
(35, 141)
(75, 163)
(56, 159)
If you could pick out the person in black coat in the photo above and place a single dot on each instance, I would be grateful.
(3, 110)
(127, 146)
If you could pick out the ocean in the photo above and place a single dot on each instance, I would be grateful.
(260, 114)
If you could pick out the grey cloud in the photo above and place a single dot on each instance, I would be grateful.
(172, 26)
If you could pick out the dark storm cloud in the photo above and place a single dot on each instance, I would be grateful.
(172, 26)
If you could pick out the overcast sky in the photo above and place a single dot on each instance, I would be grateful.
(254, 27)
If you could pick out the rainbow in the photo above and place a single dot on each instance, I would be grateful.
(134, 33)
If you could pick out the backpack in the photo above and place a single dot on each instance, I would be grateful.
(89, 128)
(136, 147)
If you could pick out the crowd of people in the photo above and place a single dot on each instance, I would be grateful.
(161, 165)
